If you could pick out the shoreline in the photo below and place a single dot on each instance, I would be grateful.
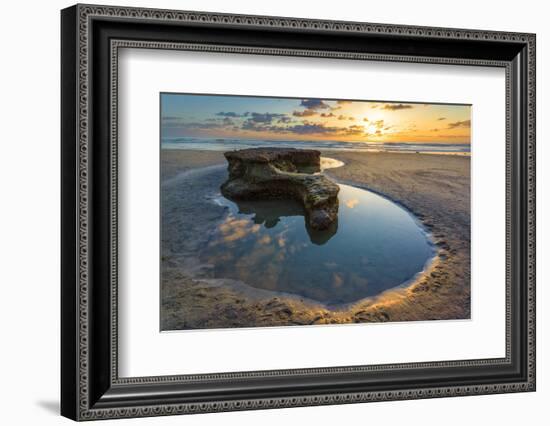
(357, 150)
(429, 295)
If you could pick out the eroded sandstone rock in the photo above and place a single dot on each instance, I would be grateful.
(283, 173)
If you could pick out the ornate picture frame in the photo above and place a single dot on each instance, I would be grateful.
(91, 37)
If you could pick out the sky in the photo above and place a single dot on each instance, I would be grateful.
(248, 117)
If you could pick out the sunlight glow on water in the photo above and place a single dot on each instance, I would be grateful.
(375, 245)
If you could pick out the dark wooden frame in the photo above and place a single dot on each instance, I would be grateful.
(91, 37)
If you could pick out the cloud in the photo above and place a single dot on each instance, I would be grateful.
(306, 128)
(309, 128)
(352, 203)
(378, 124)
(274, 123)
(314, 104)
(284, 119)
(396, 107)
(339, 105)
(208, 123)
(232, 114)
(354, 130)
(255, 126)
(266, 117)
(314, 128)
(304, 113)
(441, 118)
(264, 121)
(365, 119)
(458, 124)
(193, 125)
(345, 117)
(199, 125)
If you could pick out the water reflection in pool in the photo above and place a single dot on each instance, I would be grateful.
(374, 246)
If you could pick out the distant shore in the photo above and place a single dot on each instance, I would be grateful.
(436, 188)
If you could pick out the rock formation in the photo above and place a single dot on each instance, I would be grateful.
(283, 173)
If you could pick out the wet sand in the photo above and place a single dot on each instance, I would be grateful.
(435, 188)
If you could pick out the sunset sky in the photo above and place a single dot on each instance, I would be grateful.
(246, 117)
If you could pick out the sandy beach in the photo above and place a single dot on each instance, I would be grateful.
(434, 188)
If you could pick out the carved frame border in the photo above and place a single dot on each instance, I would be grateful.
(85, 14)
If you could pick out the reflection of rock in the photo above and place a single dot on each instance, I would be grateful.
(269, 213)
(282, 173)
(321, 236)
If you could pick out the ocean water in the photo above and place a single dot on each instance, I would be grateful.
(232, 144)
(375, 245)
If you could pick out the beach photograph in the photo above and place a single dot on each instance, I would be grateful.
(304, 212)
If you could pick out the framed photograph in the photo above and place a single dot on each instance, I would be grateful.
(263, 212)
